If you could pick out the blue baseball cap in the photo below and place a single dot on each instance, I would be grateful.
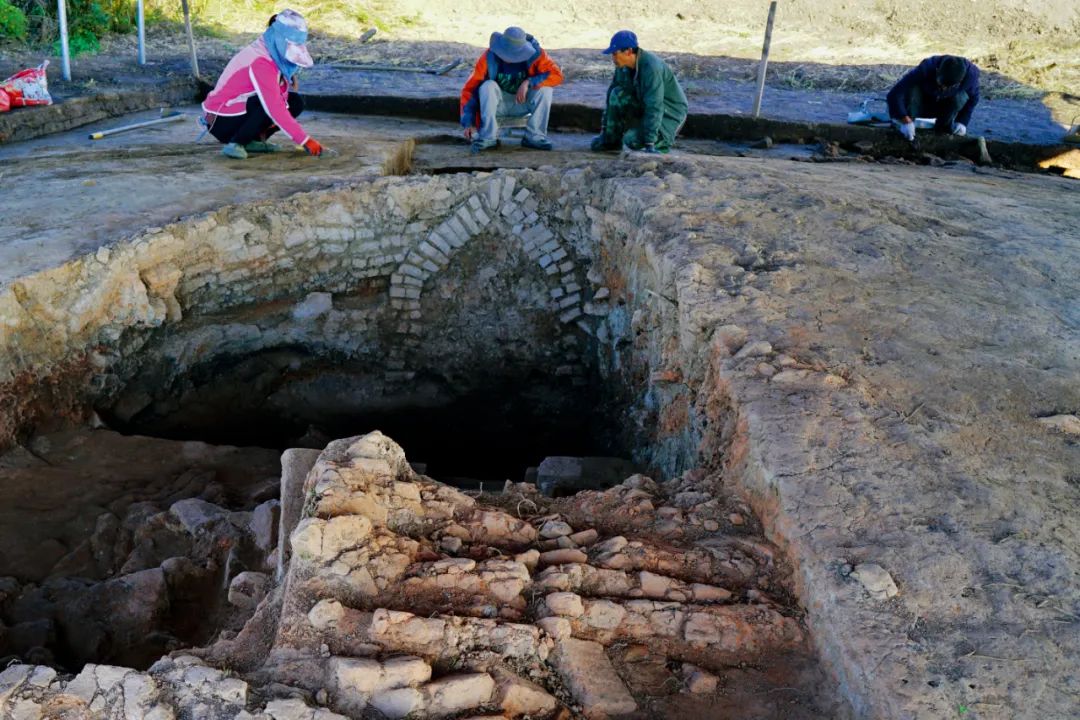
(622, 40)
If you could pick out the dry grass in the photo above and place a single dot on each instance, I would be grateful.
(400, 161)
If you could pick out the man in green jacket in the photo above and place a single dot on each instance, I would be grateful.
(646, 107)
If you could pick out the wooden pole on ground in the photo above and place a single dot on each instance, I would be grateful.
(190, 39)
(764, 60)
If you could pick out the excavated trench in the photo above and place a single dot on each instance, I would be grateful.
(483, 322)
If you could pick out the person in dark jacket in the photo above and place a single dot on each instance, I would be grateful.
(944, 87)
(514, 78)
(646, 106)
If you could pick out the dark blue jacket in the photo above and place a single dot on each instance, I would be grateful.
(925, 77)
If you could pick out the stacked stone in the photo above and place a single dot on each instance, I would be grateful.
(181, 687)
(408, 598)
(395, 576)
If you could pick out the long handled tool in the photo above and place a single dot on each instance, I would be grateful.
(165, 118)
(442, 70)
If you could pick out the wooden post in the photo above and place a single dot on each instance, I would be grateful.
(190, 39)
(764, 60)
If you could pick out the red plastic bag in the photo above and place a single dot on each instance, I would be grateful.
(5, 102)
(27, 87)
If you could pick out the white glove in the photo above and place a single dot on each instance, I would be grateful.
(959, 129)
(907, 130)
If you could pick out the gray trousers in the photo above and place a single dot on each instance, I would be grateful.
(495, 104)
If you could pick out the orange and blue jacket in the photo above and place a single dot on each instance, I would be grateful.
(543, 72)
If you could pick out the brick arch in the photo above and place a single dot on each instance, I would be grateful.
(499, 202)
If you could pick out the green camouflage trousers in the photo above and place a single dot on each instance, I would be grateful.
(622, 118)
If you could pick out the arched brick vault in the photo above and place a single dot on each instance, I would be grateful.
(499, 206)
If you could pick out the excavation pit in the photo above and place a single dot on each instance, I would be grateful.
(723, 351)
(485, 321)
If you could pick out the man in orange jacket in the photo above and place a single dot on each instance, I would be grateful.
(513, 78)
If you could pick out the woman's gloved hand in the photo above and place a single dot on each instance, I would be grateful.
(313, 147)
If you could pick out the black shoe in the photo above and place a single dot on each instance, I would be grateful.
(541, 144)
(600, 144)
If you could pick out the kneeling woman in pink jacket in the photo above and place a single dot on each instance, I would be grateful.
(251, 100)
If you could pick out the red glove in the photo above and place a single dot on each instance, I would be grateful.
(313, 147)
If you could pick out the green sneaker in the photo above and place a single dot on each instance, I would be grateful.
(234, 151)
(261, 146)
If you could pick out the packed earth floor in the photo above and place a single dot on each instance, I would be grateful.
(849, 390)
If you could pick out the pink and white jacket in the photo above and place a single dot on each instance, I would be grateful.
(253, 72)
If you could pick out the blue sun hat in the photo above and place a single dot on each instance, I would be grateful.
(622, 40)
(512, 46)
(286, 40)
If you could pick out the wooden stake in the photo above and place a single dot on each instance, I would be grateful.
(764, 59)
(190, 39)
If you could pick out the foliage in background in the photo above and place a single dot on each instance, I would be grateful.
(36, 21)
(339, 17)
(12, 21)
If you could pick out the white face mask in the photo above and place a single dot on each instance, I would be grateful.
(297, 53)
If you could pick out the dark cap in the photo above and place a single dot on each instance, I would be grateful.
(622, 40)
(951, 71)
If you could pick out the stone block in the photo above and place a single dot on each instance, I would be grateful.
(264, 525)
(296, 463)
(456, 693)
(197, 515)
(563, 556)
(563, 474)
(565, 604)
(326, 614)
(604, 615)
(344, 533)
(555, 529)
(698, 681)
(399, 703)
(248, 589)
(519, 697)
(590, 677)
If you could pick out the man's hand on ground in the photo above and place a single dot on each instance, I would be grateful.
(522, 93)
(469, 132)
